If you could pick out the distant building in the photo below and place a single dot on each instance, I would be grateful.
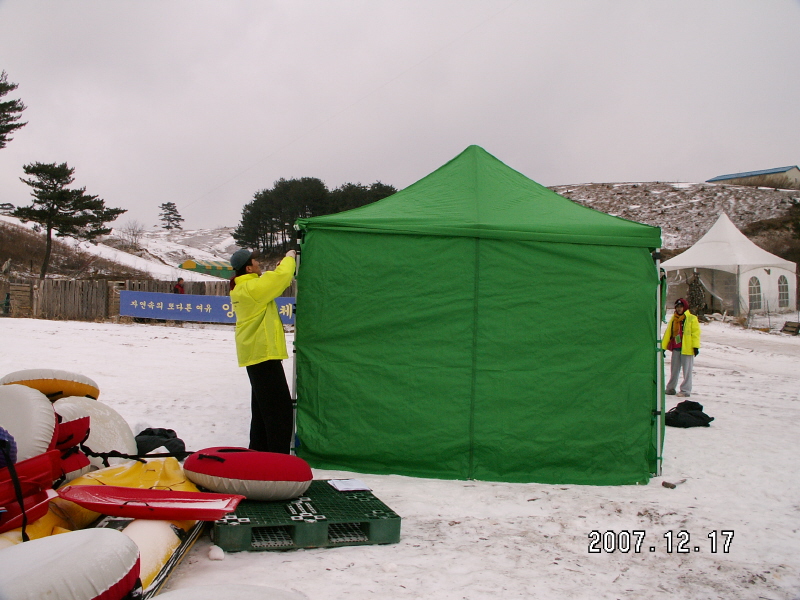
(217, 268)
(782, 177)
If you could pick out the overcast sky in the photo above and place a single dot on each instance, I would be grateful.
(203, 103)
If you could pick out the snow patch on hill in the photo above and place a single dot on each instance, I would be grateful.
(176, 246)
(684, 211)
(157, 270)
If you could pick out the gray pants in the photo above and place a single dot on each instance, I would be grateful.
(677, 362)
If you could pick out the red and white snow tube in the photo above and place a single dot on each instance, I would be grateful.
(109, 431)
(73, 430)
(90, 564)
(54, 383)
(74, 463)
(255, 475)
(35, 476)
(27, 415)
(34, 506)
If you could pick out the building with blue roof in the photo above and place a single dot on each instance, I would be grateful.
(782, 178)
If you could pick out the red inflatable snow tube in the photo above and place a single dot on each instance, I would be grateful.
(253, 474)
(71, 433)
(35, 476)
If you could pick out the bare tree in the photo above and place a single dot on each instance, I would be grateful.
(132, 232)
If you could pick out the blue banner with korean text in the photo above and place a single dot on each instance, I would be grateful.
(190, 307)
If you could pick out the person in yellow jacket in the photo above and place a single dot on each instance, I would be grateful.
(261, 346)
(682, 338)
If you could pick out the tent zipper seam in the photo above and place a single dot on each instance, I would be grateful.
(475, 296)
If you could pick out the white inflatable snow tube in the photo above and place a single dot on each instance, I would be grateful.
(28, 416)
(109, 431)
(90, 564)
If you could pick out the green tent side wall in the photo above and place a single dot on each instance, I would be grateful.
(384, 366)
(445, 354)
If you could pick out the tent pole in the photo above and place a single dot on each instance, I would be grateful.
(659, 412)
(738, 293)
(293, 445)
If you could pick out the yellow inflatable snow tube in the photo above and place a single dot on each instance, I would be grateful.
(54, 383)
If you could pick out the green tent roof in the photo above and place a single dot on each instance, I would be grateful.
(476, 195)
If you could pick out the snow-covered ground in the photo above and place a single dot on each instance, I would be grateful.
(475, 539)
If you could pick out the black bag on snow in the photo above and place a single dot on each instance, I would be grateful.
(151, 438)
(687, 414)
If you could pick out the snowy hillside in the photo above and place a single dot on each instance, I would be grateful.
(684, 211)
(161, 252)
(157, 269)
(176, 246)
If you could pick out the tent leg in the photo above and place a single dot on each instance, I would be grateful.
(293, 444)
(659, 411)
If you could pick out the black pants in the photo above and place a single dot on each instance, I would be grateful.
(272, 422)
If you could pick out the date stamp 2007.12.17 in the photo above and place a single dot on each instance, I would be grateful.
(638, 540)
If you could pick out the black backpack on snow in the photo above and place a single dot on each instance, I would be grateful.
(687, 414)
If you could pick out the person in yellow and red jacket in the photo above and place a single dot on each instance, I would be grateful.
(682, 338)
(261, 346)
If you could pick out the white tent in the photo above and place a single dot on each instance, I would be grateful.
(738, 276)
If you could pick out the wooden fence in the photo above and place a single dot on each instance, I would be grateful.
(17, 300)
(71, 299)
(88, 300)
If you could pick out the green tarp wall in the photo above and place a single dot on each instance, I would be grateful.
(476, 325)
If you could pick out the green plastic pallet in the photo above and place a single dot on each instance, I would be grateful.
(323, 517)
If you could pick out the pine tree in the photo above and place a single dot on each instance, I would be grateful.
(59, 209)
(170, 216)
(10, 111)
(268, 220)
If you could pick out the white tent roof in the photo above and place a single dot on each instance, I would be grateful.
(725, 248)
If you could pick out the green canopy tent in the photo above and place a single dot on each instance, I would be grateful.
(476, 325)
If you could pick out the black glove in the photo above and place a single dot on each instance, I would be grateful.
(696, 351)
